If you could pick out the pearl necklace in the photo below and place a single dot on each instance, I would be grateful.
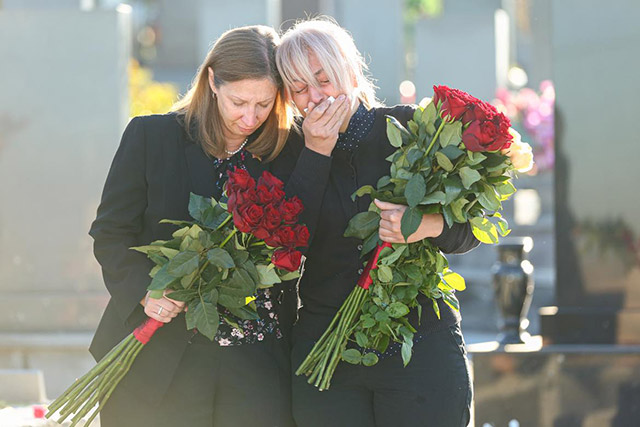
(231, 153)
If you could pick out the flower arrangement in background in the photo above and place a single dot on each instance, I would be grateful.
(532, 113)
(147, 96)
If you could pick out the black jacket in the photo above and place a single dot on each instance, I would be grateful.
(333, 262)
(152, 174)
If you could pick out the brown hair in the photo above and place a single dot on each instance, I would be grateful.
(240, 53)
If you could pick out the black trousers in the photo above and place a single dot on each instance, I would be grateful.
(433, 390)
(237, 386)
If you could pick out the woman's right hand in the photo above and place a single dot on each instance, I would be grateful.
(322, 124)
(163, 309)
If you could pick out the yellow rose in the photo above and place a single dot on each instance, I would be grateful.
(520, 153)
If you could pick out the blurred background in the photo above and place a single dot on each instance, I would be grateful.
(73, 72)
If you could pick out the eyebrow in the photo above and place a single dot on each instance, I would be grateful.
(264, 101)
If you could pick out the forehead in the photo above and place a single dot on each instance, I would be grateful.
(250, 89)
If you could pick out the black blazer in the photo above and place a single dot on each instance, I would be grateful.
(154, 170)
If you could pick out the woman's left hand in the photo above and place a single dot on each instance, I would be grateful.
(391, 216)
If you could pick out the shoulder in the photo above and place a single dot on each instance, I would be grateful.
(402, 112)
(161, 124)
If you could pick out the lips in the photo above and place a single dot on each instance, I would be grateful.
(245, 130)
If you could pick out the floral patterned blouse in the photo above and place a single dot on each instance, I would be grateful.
(252, 330)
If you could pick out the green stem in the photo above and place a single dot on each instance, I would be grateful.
(82, 382)
(224, 222)
(435, 137)
(349, 317)
(235, 230)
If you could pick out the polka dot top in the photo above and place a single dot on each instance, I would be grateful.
(359, 126)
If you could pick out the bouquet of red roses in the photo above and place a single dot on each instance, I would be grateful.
(219, 259)
(455, 159)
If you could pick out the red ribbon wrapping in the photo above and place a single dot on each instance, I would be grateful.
(144, 332)
(365, 278)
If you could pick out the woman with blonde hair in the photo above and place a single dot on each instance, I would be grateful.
(319, 62)
(233, 116)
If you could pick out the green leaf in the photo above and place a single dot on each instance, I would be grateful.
(393, 133)
(393, 257)
(366, 189)
(451, 134)
(244, 313)
(435, 197)
(469, 176)
(385, 274)
(231, 301)
(406, 352)
(444, 161)
(414, 155)
(220, 258)
(415, 190)
(268, 275)
(454, 280)
(484, 230)
(240, 284)
(448, 215)
(385, 180)
(369, 359)
(189, 279)
(198, 205)
(362, 225)
(368, 321)
(352, 356)
(162, 280)
(369, 243)
(503, 226)
(456, 210)
(206, 318)
(452, 152)
(489, 199)
(475, 158)
(429, 114)
(168, 252)
(184, 263)
(147, 249)
(361, 339)
(397, 309)
(506, 189)
(184, 295)
(410, 222)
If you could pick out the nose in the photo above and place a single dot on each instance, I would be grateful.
(250, 117)
(316, 96)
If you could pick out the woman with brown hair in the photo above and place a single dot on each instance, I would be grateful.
(233, 116)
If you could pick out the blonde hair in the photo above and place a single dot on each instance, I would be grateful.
(337, 53)
(239, 54)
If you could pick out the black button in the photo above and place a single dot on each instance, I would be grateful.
(359, 247)
(360, 271)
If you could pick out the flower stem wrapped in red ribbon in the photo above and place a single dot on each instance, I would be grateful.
(218, 260)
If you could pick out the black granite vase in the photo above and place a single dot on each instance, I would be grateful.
(513, 288)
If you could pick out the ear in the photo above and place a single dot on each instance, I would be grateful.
(211, 80)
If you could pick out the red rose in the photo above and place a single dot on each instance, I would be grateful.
(270, 181)
(287, 259)
(488, 135)
(480, 111)
(272, 217)
(239, 198)
(283, 236)
(455, 103)
(264, 194)
(290, 209)
(239, 179)
(248, 216)
(302, 235)
(240, 222)
(277, 193)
